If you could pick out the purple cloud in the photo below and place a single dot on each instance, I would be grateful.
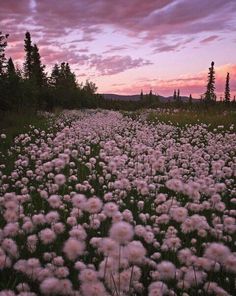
(154, 17)
(146, 20)
(115, 48)
(209, 39)
(115, 64)
(52, 56)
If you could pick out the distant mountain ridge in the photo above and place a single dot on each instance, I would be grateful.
(122, 97)
(137, 98)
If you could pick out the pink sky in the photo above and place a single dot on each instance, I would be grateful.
(125, 46)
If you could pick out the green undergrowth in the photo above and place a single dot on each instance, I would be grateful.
(15, 123)
(12, 124)
(214, 120)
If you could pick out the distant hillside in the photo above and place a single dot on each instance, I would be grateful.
(137, 98)
(121, 97)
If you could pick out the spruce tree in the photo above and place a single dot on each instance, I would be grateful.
(150, 93)
(11, 71)
(227, 89)
(178, 95)
(13, 86)
(63, 77)
(210, 95)
(150, 98)
(55, 76)
(90, 87)
(141, 95)
(63, 81)
(70, 77)
(174, 96)
(28, 56)
(190, 99)
(37, 68)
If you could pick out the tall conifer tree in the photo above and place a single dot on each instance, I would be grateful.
(55, 76)
(11, 71)
(178, 95)
(190, 99)
(13, 85)
(174, 96)
(70, 77)
(141, 95)
(227, 89)
(210, 95)
(37, 68)
(28, 65)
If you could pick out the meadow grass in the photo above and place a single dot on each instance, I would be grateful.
(181, 118)
(14, 123)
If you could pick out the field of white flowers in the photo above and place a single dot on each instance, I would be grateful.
(101, 204)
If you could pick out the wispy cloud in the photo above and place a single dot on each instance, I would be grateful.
(209, 39)
(116, 64)
(194, 84)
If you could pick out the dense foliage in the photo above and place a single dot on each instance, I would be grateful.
(32, 88)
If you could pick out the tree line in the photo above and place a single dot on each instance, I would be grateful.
(209, 97)
(31, 88)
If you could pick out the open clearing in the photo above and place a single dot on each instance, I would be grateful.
(99, 203)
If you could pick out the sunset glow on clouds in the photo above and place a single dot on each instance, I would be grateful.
(125, 46)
